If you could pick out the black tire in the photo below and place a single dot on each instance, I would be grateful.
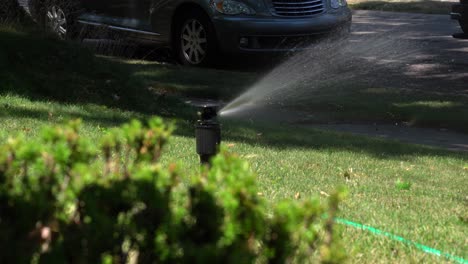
(211, 44)
(71, 10)
(464, 27)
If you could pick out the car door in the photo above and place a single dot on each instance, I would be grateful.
(95, 7)
(131, 13)
(95, 11)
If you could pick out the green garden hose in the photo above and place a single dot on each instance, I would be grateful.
(421, 247)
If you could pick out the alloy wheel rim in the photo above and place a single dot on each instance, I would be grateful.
(194, 42)
(57, 21)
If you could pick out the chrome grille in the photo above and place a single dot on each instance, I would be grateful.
(297, 8)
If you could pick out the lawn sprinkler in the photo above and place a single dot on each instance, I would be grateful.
(207, 132)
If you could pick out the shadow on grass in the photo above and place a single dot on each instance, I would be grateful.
(426, 6)
(60, 72)
(95, 115)
(66, 72)
(189, 81)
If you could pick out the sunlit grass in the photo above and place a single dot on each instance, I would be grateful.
(430, 104)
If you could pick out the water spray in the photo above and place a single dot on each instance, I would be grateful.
(207, 132)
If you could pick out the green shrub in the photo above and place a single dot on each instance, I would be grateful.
(66, 199)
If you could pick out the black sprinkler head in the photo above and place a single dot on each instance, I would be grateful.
(208, 132)
(208, 113)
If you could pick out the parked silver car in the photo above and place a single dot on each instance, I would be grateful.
(198, 29)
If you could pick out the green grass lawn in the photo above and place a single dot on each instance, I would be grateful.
(51, 81)
(410, 6)
(388, 105)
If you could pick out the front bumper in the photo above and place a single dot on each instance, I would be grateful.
(263, 33)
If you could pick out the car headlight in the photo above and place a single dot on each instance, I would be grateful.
(231, 7)
(337, 3)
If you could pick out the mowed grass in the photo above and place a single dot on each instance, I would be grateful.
(409, 6)
(383, 104)
(53, 81)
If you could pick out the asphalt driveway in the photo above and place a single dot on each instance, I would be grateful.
(441, 60)
(434, 63)
(439, 67)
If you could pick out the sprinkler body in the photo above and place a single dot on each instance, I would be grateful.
(207, 133)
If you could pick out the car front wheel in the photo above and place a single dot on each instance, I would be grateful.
(195, 41)
(464, 27)
(56, 21)
(58, 17)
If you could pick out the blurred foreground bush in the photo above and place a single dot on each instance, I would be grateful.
(66, 199)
